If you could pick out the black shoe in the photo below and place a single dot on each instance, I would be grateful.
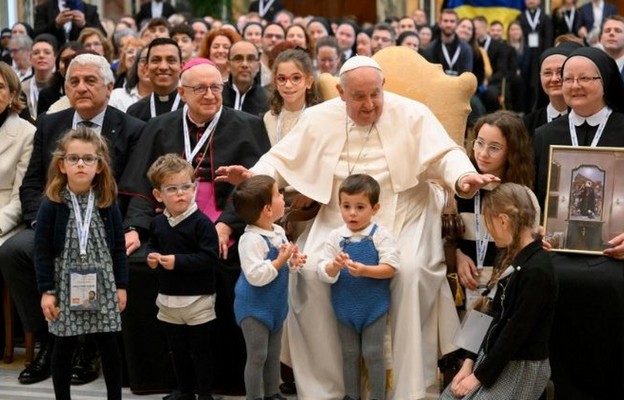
(85, 364)
(39, 368)
(288, 388)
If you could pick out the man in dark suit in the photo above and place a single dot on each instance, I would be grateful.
(154, 9)
(66, 24)
(455, 56)
(538, 35)
(593, 13)
(88, 85)
(241, 91)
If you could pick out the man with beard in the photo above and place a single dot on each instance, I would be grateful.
(241, 91)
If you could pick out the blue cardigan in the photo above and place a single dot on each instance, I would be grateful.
(50, 230)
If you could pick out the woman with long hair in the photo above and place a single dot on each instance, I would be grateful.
(131, 47)
(501, 148)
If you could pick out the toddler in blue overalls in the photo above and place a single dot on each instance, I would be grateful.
(261, 292)
(359, 258)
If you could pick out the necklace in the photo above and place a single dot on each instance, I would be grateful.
(368, 135)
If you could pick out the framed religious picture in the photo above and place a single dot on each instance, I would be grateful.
(585, 200)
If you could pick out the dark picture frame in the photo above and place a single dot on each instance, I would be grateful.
(585, 199)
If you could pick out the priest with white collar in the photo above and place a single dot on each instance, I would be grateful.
(164, 61)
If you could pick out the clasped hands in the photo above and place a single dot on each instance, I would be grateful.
(465, 381)
(289, 252)
(167, 261)
(75, 16)
(342, 260)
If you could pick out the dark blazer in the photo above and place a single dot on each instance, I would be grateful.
(50, 241)
(46, 13)
(587, 14)
(141, 109)
(256, 100)
(544, 30)
(121, 131)
(498, 53)
(433, 54)
(524, 307)
(146, 12)
(560, 27)
(276, 7)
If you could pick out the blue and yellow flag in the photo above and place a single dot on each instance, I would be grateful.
(504, 11)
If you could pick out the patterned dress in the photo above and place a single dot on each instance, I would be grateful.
(107, 318)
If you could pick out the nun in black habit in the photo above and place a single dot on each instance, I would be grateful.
(550, 102)
(587, 341)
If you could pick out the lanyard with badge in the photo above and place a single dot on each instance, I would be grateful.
(83, 280)
(153, 114)
(188, 153)
(486, 44)
(569, 19)
(263, 7)
(205, 197)
(481, 242)
(451, 61)
(597, 136)
(533, 22)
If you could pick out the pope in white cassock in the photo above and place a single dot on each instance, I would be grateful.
(402, 145)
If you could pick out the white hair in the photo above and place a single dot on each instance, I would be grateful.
(93, 60)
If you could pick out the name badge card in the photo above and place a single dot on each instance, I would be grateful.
(533, 40)
(473, 329)
(83, 293)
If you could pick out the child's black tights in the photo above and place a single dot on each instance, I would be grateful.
(111, 364)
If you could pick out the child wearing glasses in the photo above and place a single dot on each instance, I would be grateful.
(502, 148)
(79, 249)
(183, 248)
(261, 293)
